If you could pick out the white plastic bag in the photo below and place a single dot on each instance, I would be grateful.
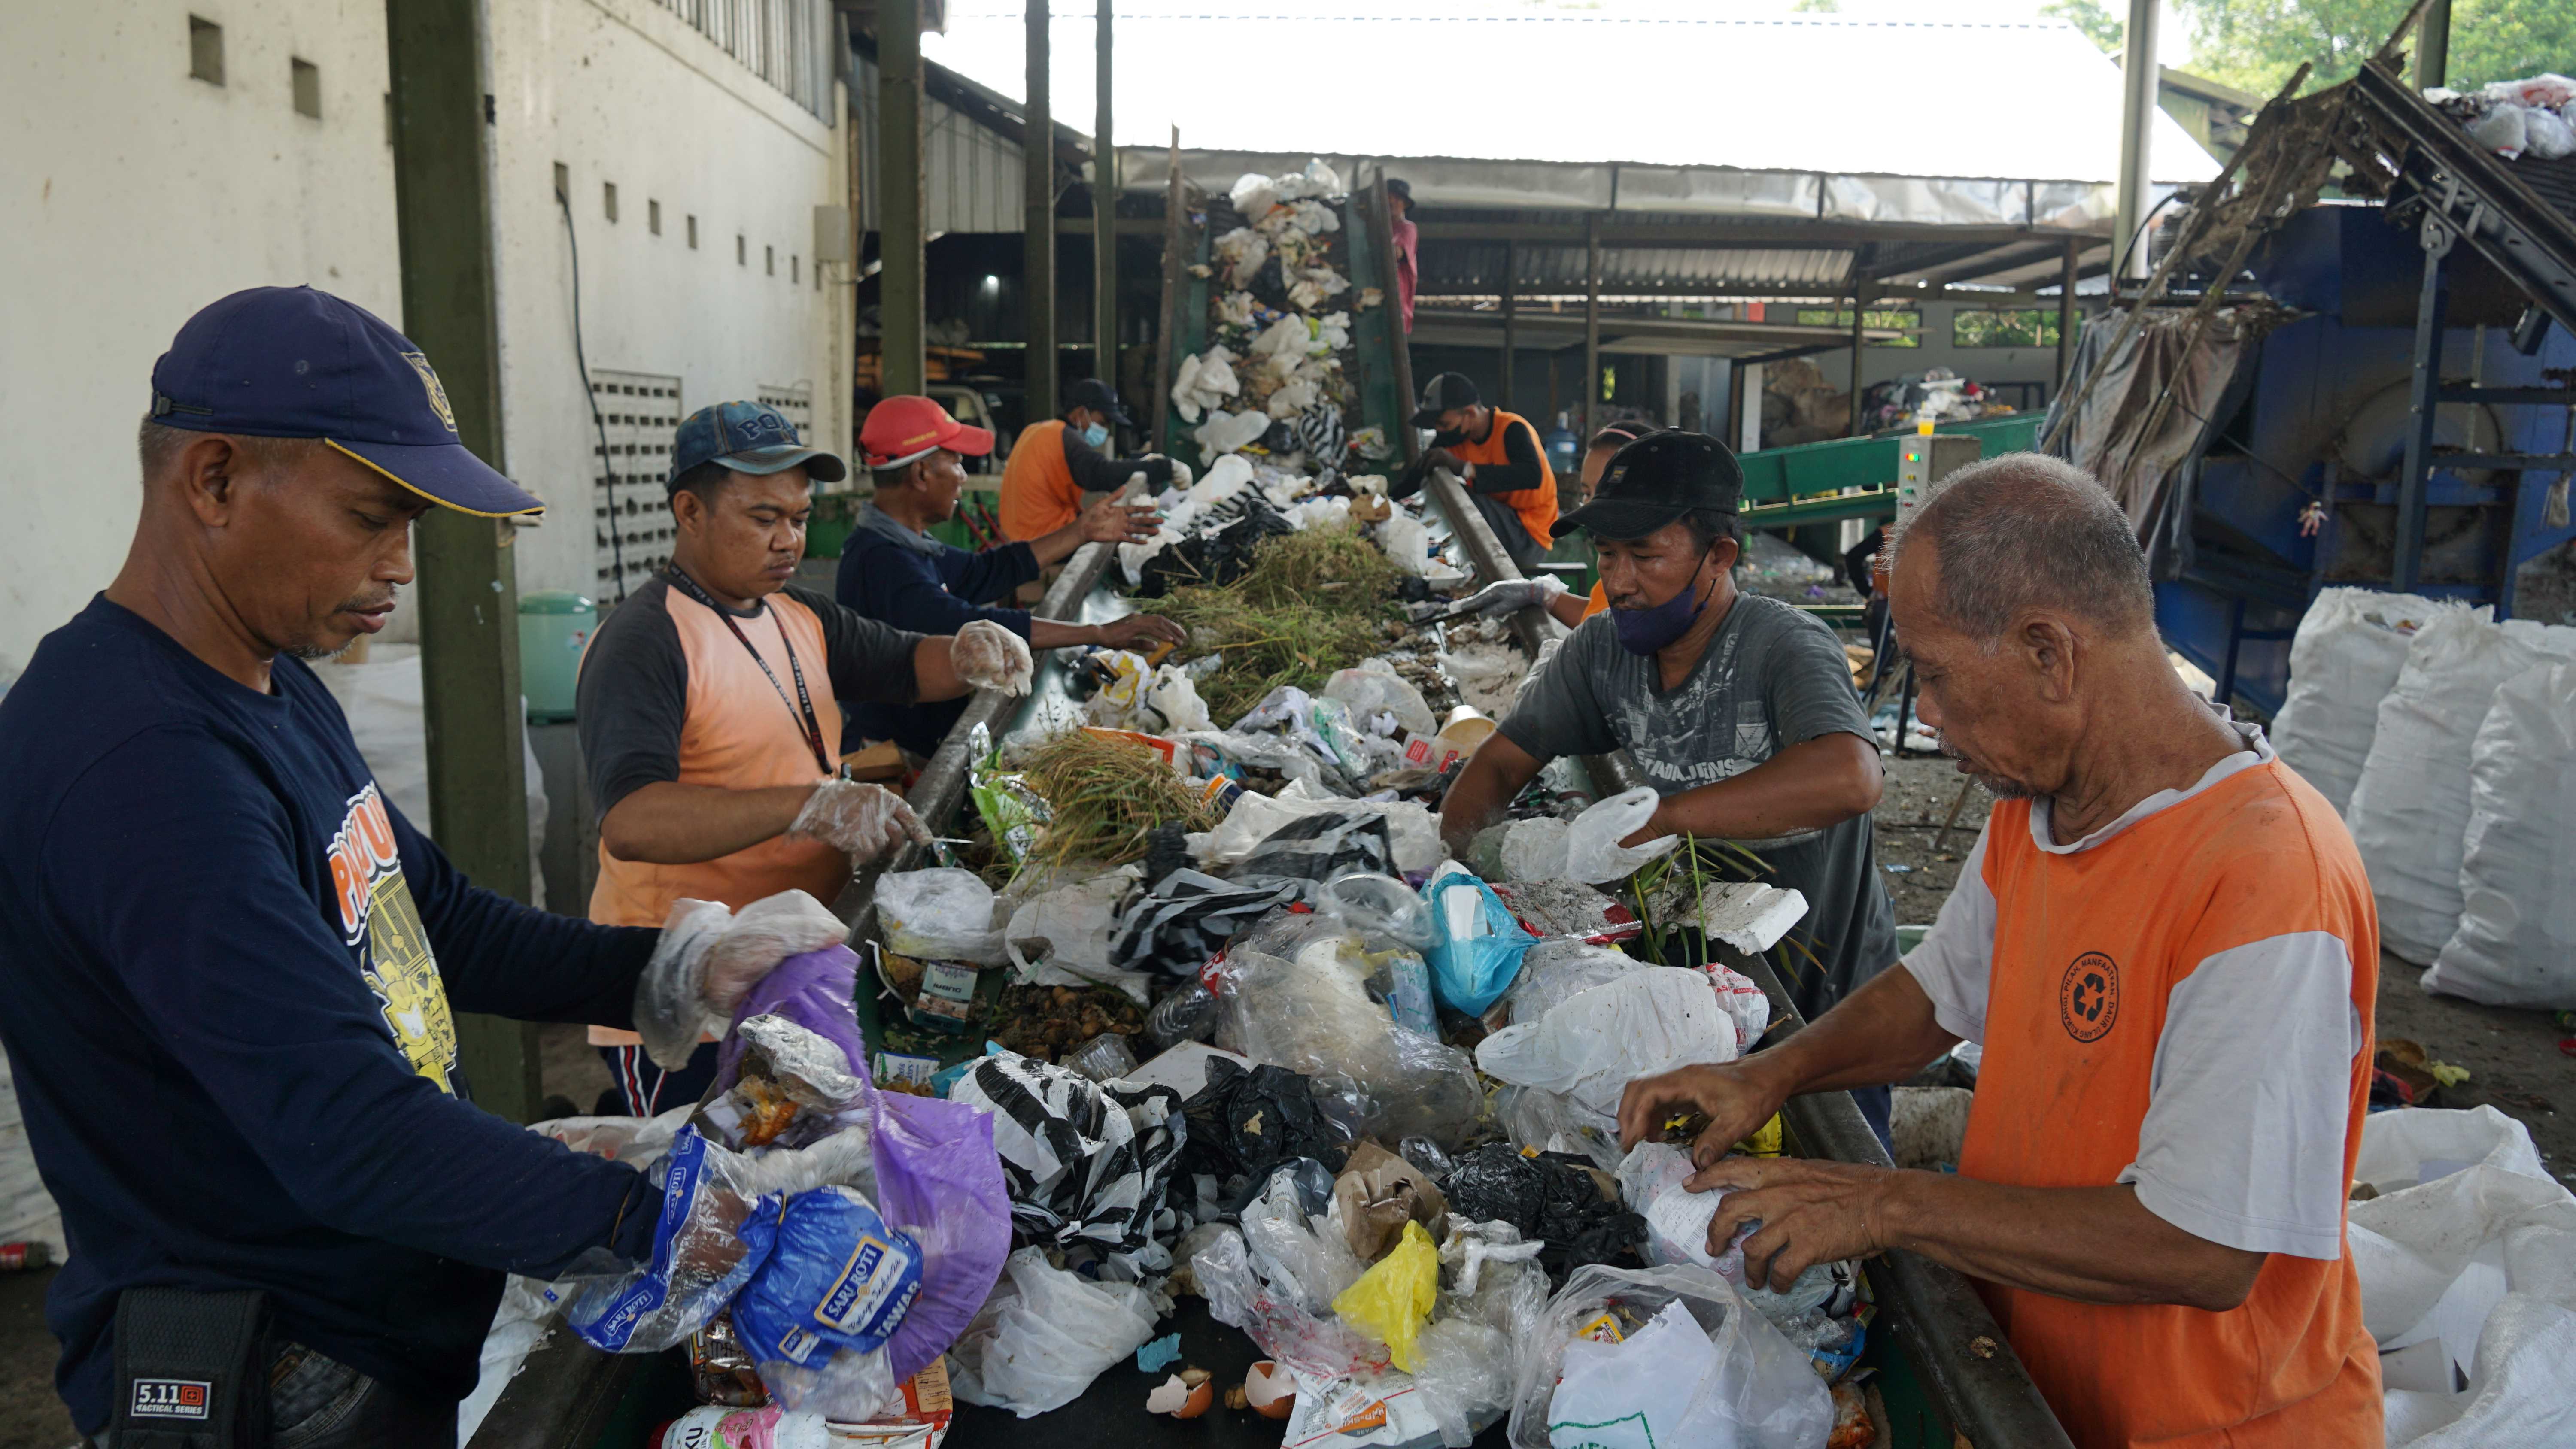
(1223, 433)
(941, 914)
(1589, 1047)
(2345, 658)
(1374, 688)
(1593, 854)
(1060, 937)
(1651, 1182)
(1534, 849)
(2467, 1258)
(1046, 1333)
(1703, 1370)
(2410, 813)
(1560, 968)
(2516, 945)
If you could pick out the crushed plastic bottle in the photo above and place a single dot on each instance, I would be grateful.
(1188, 1014)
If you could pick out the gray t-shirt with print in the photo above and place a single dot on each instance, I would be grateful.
(1773, 677)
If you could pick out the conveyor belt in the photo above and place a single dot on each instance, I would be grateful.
(2520, 215)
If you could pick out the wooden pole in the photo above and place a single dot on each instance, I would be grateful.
(1860, 313)
(468, 592)
(1104, 211)
(1511, 324)
(1175, 257)
(2066, 314)
(902, 321)
(1037, 170)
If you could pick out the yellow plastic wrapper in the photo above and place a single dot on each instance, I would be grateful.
(1393, 1300)
(1765, 1142)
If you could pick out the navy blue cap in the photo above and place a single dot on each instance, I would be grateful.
(748, 437)
(292, 362)
(1100, 397)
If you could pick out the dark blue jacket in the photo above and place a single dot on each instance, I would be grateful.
(229, 974)
(910, 587)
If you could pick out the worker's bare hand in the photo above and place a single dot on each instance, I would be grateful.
(1105, 519)
(1141, 632)
(1811, 1212)
(1737, 1098)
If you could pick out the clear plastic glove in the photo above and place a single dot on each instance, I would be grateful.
(1181, 474)
(708, 957)
(864, 820)
(988, 656)
(1508, 596)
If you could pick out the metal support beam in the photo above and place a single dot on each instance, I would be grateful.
(1860, 314)
(1591, 323)
(2066, 315)
(1104, 211)
(2432, 308)
(2433, 46)
(2139, 77)
(1168, 326)
(468, 594)
(1748, 391)
(902, 323)
(1037, 171)
(1511, 323)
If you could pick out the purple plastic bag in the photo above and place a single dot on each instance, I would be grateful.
(939, 1180)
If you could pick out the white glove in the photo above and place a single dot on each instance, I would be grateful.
(708, 957)
(1509, 596)
(1181, 474)
(863, 820)
(988, 656)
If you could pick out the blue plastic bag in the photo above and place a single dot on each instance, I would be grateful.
(708, 1240)
(1474, 960)
(835, 1277)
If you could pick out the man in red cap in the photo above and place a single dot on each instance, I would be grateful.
(894, 572)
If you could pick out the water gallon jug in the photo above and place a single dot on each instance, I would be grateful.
(554, 627)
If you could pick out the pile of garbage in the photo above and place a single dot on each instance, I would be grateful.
(2513, 118)
(1201, 1006)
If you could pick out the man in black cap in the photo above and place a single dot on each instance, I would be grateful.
(1497, 455)
(229, 966)
(1739, 710)
(1057, 461)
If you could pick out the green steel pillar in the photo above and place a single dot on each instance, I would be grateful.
(1104, 214)
(1037, 166)
(902, 322)
(468, 589)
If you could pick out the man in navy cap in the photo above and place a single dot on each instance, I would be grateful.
(708, 714)
(228, 964)
(1058, 461)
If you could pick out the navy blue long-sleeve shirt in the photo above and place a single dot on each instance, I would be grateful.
(229, 969)
(913, 581)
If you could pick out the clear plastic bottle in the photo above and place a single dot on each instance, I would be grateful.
(1188, 1014)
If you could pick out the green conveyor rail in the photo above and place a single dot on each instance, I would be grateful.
(1784, 487)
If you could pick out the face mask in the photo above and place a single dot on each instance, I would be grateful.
(1448, 440)
(1643, 631)
(1096, 435)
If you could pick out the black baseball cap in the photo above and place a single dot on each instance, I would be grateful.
(293, 362)
(1448, 392)
(1654, 481)
(1098, 396)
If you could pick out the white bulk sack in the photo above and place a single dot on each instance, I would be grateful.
(2516, 945)
(2346, 657)
(2467, 1256)
(2410, 812)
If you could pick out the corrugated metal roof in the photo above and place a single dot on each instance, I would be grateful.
(970, 173)
(1477, 267)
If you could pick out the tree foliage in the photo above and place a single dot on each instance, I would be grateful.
(2255, 44)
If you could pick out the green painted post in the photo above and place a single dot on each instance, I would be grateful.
(899, 225)
(468, 590)
(1037, 165)
(1104, 213)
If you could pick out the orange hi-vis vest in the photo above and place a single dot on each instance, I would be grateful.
(2090, 951)
(1039, 495)
(1536, 507)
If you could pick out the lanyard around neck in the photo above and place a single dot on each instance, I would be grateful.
(802, 706)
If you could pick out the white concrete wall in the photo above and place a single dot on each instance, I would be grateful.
(130, 196)
(624, 91)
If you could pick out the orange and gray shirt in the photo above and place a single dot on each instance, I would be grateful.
(1512, 469)
(2180, 1001)
(1051, 468)
(668, 692)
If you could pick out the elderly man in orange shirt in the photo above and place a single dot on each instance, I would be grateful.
(2166, 943)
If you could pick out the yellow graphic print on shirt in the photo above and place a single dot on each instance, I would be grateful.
(376, 906)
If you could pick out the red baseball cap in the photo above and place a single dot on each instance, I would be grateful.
(901, 429)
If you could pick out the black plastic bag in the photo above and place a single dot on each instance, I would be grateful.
(1244, 1124)
(1553, 1197)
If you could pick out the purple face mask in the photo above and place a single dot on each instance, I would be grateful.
(1643, 631)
